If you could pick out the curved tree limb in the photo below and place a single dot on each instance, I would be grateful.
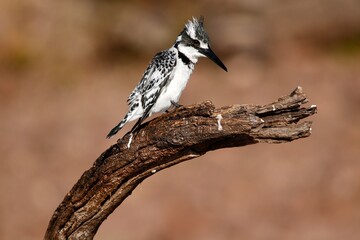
(184, 134)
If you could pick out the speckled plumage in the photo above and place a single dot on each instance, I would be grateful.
(167, 74)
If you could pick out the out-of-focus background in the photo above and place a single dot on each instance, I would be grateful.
(67, 67)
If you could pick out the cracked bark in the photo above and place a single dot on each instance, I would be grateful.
(184, 134)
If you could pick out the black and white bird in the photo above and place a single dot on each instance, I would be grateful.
(167, 75)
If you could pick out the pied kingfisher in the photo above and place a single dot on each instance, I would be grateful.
(167, 74)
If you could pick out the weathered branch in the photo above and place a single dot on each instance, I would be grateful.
(181, 135)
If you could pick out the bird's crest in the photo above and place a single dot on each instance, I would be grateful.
(195, 29)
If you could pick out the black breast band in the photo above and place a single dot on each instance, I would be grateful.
(184, 58)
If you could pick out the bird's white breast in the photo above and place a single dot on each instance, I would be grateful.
(173, 90)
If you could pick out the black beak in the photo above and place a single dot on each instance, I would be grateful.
(210, 54)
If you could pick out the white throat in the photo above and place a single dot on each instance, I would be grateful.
(190, 52)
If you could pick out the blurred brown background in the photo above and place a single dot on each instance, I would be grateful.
(67, 67)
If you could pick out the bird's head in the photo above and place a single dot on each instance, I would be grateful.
(194, 42)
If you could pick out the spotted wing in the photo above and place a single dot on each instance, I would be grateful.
(154, 79)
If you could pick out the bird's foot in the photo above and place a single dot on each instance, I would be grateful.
(174, 105)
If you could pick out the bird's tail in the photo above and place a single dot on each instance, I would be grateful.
(134, 113)
(116, 128)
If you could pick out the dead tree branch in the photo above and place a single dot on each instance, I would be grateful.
(181, 135)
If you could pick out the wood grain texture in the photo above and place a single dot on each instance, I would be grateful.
(183, 134)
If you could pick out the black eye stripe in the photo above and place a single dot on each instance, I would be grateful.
(196, 42)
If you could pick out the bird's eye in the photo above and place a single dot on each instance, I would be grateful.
(196, 42)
